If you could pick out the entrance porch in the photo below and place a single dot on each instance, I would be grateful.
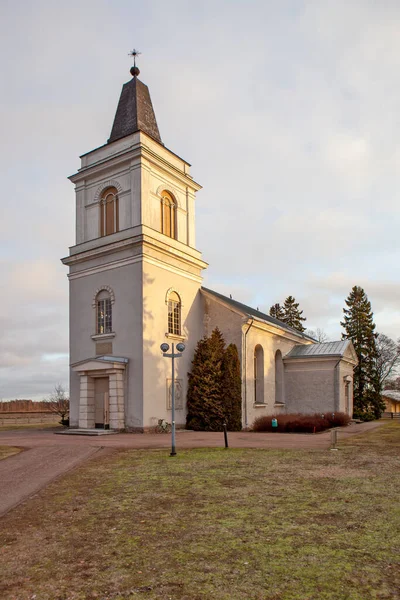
(102, 392)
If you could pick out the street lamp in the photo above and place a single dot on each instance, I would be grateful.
(164, 349)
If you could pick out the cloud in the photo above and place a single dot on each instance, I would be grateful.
(288, 112)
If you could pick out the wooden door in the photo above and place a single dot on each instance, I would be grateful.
(101, 402)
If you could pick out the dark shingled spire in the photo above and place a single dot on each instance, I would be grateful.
(135, 112)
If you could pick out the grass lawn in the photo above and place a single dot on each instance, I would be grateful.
(6, 451)
(214, 524)
(30, 426)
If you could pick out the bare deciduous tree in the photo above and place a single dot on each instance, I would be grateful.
(318, 334)
(387, 357)
(58, 402)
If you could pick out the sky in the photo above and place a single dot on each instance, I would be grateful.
(287, 110)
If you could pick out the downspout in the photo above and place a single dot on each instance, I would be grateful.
(245, 372)
(337, 386)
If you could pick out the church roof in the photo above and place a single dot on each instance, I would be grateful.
(134, 112)
(326, 349)
(392, 394)
(256, 314)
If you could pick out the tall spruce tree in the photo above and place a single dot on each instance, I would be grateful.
(292, 314)
(277, 311)
(205, 390)
(359, 326)
(232, 388)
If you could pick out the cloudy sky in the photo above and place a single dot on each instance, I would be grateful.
(288, 111)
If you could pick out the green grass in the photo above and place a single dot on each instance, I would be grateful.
(6, 451)
(214, 524)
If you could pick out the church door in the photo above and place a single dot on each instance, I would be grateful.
(101, 403)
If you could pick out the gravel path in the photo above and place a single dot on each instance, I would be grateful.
(24, 474)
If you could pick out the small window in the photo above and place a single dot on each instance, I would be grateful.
(279, 378)
(109, 217)
(174, 314)
(103, 313)
(168, 215)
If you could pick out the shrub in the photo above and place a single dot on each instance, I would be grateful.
(232, 388)
(301, 423)
(214, 390)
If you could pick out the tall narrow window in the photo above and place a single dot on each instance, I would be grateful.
(279, 378)
(103, 313)
(168, 215)
(174, 314)
(258, 375)
(109, 217)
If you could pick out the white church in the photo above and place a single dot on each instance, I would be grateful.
(135, 278)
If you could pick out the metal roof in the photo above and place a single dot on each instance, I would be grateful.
(326, 349)
(392, 394)
(257, 314)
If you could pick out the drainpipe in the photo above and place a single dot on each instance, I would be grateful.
(337, 386)
(245, 372)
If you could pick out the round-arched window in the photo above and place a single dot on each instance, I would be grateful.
(168, 215)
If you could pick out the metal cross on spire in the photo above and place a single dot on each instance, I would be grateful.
(134, 70)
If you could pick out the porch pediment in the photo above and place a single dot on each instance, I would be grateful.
(100, 363)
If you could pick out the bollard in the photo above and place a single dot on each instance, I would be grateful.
(333, 439)
(225, 435)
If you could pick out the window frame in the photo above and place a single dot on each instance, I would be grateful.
(104, 220)
(103, 315)
(168, 215)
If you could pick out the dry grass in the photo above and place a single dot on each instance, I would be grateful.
(214, 524)
(6, 451)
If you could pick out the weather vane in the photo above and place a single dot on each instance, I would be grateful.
(134, 70)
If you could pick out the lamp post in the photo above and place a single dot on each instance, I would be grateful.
(164, 349)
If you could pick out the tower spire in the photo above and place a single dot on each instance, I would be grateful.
(135, 111)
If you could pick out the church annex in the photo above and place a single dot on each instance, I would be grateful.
(135, 279)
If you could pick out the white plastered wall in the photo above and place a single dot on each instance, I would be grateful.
(157, 369)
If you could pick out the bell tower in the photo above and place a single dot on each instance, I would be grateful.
(134, 272)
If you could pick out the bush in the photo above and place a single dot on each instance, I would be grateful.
(215, 389)
(301, 423)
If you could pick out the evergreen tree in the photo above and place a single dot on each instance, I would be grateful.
(277, 311)
(292, 314)
(232, 388)
(360, 329)
(205, 390)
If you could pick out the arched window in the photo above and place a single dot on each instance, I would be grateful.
(174, 314)
(258, 375)
(103, 312)
(168, 215)
(109, 217)
(279, 378)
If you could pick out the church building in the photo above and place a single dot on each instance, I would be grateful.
(135, 278)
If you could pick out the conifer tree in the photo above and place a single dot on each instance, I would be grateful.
(205, 389)
(277, 311)
(359, 326)
(232, 388)
(292, 314)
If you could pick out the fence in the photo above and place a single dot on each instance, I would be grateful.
(28, 418)
(22, 406)
(391, 415)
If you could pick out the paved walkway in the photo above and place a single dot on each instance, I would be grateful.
(48, 456)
